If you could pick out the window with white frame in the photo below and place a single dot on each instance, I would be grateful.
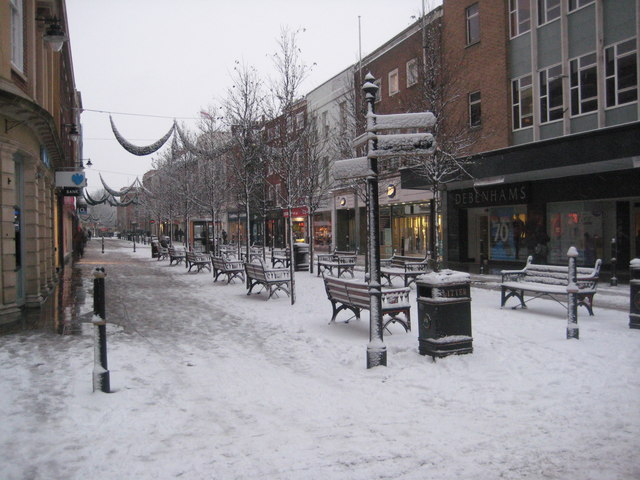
(551, 105)
(17, 34)
(475, 110)
(325, 124)
(300, 120)
(621, 73)
(473, 24)
(519, 17)
(583, 81)
(548, 10)
(393, 82)
(575, 4)
(412, 72)
(522, 102)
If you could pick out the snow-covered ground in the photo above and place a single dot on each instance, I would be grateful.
(211, 384)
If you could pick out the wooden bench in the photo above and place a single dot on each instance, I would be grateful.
(354, 295)
(198, 260)
(407, 268)
(550, 281)
(342, 261)
(280, 256)
(176, 255)
(163, 252)
(273, 279)
(230, 267)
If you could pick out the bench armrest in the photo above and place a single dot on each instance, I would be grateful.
(325, 257)
(516, 275)
(347, 259)
(415, 267)
(277, 274)
(392, 296)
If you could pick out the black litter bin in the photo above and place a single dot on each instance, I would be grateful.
(154, 249)
(301, 257)
(634, 294)
(444, 313)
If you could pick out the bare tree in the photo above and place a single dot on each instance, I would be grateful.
(286, 152)
(243, 108)
(440, 80)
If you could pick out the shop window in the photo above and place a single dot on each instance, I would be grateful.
(522, 102)
(621, 73)
(583, 80)
(508, 236)
(581, 225)
(473, 24)
(551, 106)
(548, 10)
(519, 17)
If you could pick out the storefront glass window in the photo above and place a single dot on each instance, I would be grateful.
(580, 224)
(507, 233)
(410, 226)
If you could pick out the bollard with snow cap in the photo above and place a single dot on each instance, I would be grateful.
(634, 294)
(100, 369)
(572, 295)
(444, 311)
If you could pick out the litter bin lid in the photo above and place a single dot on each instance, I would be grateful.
(444, 277)
(300, 244)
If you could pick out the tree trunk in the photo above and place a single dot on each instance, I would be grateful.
(291, 257)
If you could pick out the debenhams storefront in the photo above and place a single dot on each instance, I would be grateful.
(541, 198)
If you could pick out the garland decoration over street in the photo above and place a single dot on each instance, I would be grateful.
(112, 197)
(140, 150)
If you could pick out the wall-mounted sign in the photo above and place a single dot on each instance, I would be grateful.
(296, 212)
(512, 194)
(71, 179)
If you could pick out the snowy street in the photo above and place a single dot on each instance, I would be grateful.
(209, 383)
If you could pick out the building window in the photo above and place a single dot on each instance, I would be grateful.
(473, 24)
(325, 124)
(393, 82)
(300, 120)
(519, 17)
(621, 73)
(576, 4)
(548, 10)
(412, 72)
(17, 34)
(522, 101)
(584, 84)
(551, 106)
(475, 110)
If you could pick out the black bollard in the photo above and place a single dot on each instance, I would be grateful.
(100, 369)
(103, 244)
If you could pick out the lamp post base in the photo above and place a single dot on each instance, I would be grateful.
(376, 356)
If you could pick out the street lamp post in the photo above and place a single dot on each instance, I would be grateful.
(376, 349)
(134, 225)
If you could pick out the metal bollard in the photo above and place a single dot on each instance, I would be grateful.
(634, 294)
(572, 293)
(614, 254)
(103, 244)
(100, 369)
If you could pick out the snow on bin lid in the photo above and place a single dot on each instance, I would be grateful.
(445, 277)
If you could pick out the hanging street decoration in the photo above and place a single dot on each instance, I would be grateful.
(140, 150)
(113, 197)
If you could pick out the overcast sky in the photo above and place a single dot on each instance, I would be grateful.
(171, 59)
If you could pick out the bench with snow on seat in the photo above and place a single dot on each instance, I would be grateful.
(176, 255)
(404, 267)
(163, 252)
(354, 295)
(230, 267)
(280, 256)
(340, 260)
(273, 279)
(549, 281)
(197, 260)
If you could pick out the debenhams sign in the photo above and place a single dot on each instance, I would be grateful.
(514, 193)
